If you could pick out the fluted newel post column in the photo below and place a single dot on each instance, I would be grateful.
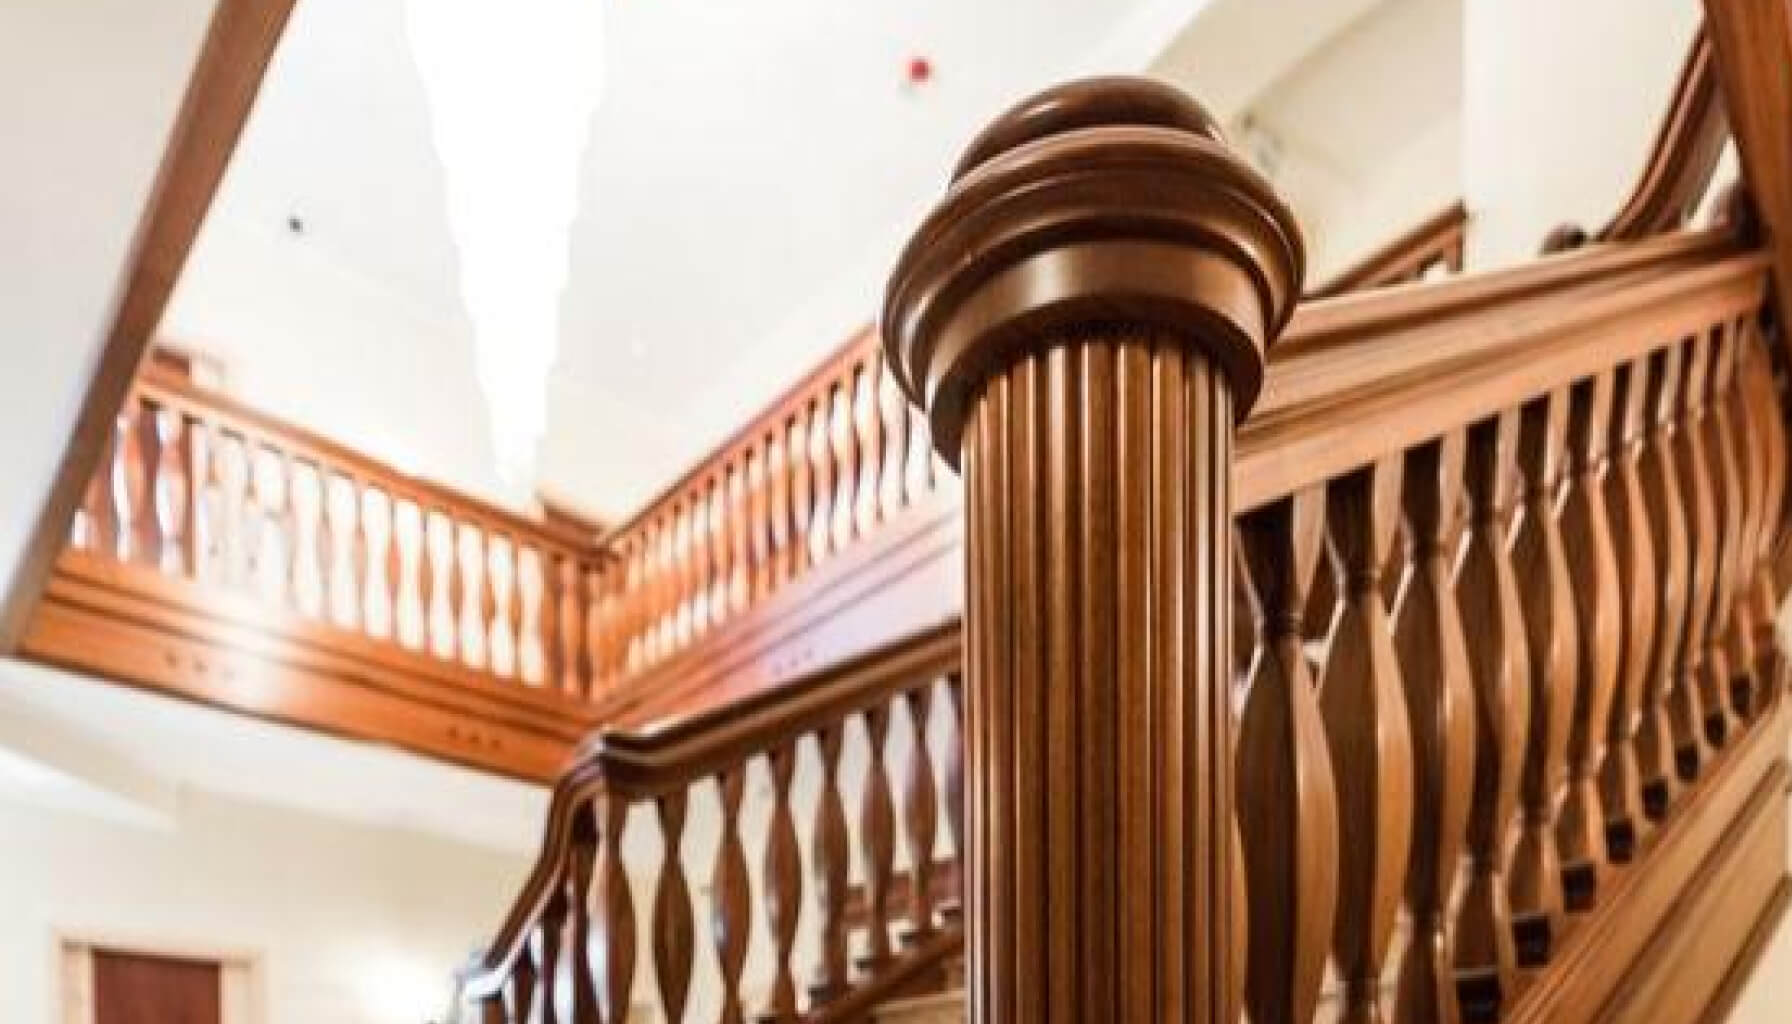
(1084, 319)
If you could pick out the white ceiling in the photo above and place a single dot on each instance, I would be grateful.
(753, 165)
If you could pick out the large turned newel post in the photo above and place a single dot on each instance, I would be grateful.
(1084, 318)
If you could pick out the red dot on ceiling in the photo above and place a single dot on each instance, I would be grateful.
(920, 69)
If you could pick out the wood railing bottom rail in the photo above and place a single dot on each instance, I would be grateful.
(1675, 925)
(128, 623)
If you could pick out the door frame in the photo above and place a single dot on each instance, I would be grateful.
(241, 996)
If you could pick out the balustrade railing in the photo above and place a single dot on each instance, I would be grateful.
(822, 470)
(819, 879)
(1457, 761)
(205, 491)
(1434, 247)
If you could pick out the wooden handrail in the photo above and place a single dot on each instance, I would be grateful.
(618, 770)
(1684, 155)
(1435, 244)
(1358, 380)
(168, 389)
(216, 543)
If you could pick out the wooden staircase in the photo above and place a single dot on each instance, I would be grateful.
(1476, 609)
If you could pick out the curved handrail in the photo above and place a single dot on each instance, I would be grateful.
(1437, 242)
(667, 756)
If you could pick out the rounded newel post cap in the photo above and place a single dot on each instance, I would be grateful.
(1101, 205)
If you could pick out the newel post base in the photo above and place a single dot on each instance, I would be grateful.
(1084, 319)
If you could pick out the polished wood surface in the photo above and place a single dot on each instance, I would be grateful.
(231, 548)
(1087, 380)
(130, 988)
(1752, 47)
(898, 701)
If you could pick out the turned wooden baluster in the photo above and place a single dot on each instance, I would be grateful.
(832, 858)
(235, 525)
(802, 495)
(462, 584)
(557, 669)
(173, 490)
(1745, 441)
(740, 542)
(1433, 652)
(130, 478)
(292, 546)
(603, 623)
(1545, 590)
(552, 928)
(1499, 668)
(783, 882)
(894, 412)
(867, 426)
(684, 581)
(953, 908)
(524, 986)
(1593, 568)
(731, 911)
(844, 453)
(210, 527)
(673, 932)
(1727, 669)
(877, 838)
(148, 528)
(1726, 520)
(662, 585)
(1288, 819)
(616, 911)
(1667, 537)
(583, 859)
(1766, 444)
(1634, 767)
(1697, 491)
(510, 622)
(779, 529)
(1363, 705)
(762, 573)
(427, 576)
(821, 469)
(371, 578)
(703, 578)
(920, 814)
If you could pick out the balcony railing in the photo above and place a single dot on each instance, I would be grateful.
(227, 534)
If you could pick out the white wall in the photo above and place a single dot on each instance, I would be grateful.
(302, 337)
(88, 91)
(1409, 185)
(1561, 101)
(355, 925)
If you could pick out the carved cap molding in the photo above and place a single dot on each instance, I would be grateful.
(1107, 203)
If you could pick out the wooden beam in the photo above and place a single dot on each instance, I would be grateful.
(226, 79)
(1753, 43)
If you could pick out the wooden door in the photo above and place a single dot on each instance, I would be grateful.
(131, 988)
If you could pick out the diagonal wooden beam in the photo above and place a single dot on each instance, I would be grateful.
(239, 43)
(1753, 44)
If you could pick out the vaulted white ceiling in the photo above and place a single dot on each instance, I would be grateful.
(753, 165)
